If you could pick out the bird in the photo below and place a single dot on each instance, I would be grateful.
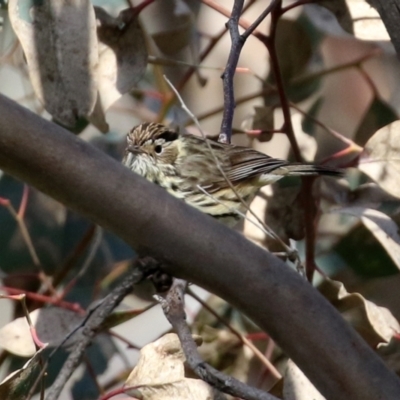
(218, 179)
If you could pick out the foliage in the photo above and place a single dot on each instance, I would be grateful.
(311, 83)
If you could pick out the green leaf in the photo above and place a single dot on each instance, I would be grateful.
(307, 124)
(364, 254)
(378, 115)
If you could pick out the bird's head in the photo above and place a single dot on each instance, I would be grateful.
(151, 149)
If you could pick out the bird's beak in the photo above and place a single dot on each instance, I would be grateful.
(130, 153)
(133, 149)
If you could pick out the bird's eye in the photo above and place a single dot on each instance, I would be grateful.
(158, 149)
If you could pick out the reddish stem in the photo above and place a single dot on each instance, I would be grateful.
(44, 299)
(24, 202)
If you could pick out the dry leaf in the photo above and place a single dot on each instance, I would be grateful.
(219, 347)
(380, 159)
(161, 376)
(122, 54)
(16, 338)
(375, 324)
(261, 120)
(60, 46)
(284, 212)
(381, 226)
(367, 195)
(16, 385)
(296, 386)
(52, 325)
(170, 24)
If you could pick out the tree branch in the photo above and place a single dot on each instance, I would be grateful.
(227, 76)
(173, 307)
(198, 249)
(90, 328)
(389, 11)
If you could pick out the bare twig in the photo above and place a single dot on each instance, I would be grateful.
(227, 76)
(292, 253)
(94, 247)
(19, 218)
(231, 65)
(173, 307)
(260, 19)
(265, 361)
(93, 324)
(188, 74)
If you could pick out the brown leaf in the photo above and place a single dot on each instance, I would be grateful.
(262, 120)
(52, 325)
(170, 23)
(296, 386)
(122, 54)
(380, 159)
(284, 212)
(16, 385)
(375, 324)
(160, 373)
(381, 226)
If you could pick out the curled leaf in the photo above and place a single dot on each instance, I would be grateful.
(296, 386)
(122, 54)
(375, 324)
(52, 324)
(260, 123)
(381, 226)
(60, 46)
(160, 374)
(380, 159)
(16, 385)
(170, 25)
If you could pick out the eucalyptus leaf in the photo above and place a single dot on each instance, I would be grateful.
(60, 46)
(380, 159)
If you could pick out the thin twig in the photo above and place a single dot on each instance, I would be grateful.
(269, 89)
(71, 259)
(173, 307)
(184, 80)
(306, 192)
(225, 12)
(331, 131)
(261, 18)
(24, 230)
(231, 65)
(259, 224)
(265, 361)
(227, 76)
(92, 325)
(96, 242)
(292, 253)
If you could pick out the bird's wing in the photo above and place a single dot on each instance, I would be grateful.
(238, 163)
(244, 163)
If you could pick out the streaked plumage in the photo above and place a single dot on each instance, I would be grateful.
(186, 168)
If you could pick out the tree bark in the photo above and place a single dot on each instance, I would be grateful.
(389, 11)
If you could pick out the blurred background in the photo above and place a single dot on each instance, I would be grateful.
(341, 77)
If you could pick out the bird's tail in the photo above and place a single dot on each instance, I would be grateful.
(312, 169)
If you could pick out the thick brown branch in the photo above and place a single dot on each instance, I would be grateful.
(197, 249)
(389, 11)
